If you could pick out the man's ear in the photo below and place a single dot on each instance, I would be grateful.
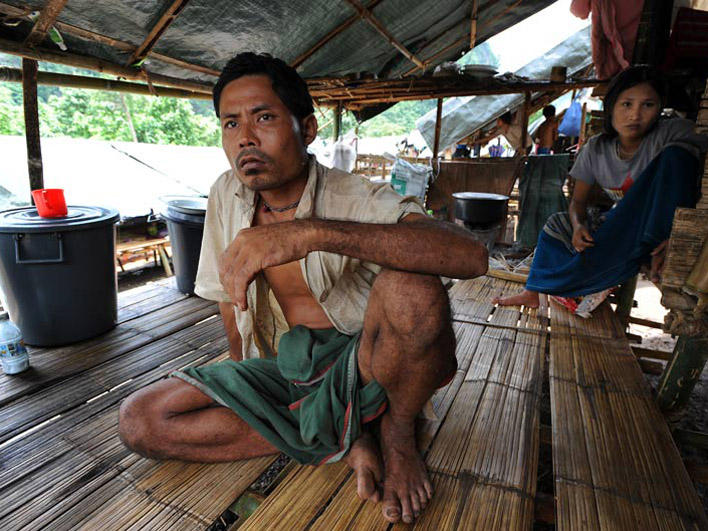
(308, 128)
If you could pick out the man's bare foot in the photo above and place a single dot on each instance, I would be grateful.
(364, 458)
(407, 488)
(525, 298)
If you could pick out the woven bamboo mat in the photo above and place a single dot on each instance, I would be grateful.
(481, 453)
(62, 465)
(615, 463)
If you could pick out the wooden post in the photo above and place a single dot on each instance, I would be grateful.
(438, 123)
(525, 121)
(473, 25)
(34, 151)
(682, 372)
(337, 121)
(581, 138)
(625, 300)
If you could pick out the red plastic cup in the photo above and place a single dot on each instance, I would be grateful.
(50, 202)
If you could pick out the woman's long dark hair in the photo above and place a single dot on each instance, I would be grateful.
(631, 77)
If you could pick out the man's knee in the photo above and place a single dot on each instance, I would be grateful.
(136, 425)
(413, 304)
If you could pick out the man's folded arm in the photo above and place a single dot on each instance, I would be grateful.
(417, 244)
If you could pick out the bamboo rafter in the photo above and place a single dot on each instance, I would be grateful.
(122, 46)
(374, 22)
(46, 19)
(157, 31)
(99, 65)
(14, 75)
(331, 35)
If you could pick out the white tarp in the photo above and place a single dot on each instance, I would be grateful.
(129, 177)
(464, 115)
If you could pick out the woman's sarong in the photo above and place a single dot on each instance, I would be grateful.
(624, 240)
(308, 402)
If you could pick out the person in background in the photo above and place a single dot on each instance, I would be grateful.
(509, 127)
(648, 166)
(547, 132)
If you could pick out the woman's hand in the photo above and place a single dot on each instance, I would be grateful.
(581, 238)
(658, 257)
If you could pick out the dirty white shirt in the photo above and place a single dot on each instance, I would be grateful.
(340, 284)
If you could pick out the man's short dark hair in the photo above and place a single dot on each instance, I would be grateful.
(287, 83)
(549, 111)
(506, 117)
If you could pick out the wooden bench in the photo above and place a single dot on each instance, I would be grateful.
(154, 245)
(62, 465)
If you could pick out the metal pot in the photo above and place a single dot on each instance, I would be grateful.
(479, 207)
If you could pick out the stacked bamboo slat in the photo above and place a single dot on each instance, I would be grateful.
(615, 463)
(483, 447)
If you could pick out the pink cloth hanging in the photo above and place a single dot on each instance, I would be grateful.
(614, 32)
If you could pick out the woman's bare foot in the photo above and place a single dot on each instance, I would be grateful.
(364, 458)
(407, 489)
(525, 298)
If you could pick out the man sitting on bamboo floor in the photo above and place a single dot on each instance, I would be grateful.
(334, 274)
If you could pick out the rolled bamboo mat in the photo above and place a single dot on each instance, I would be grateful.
(615, 463)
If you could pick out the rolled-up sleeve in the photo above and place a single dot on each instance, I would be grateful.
(207, 284)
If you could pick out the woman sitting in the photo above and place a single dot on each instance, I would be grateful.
(648, 166)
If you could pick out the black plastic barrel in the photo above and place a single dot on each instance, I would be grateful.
(58, 275)
(185, 224)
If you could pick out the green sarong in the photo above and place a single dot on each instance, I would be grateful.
(308, 402)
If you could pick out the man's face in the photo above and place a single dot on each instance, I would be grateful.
(262, 139)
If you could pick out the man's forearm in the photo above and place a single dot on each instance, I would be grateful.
(420, 246)
(228, 316)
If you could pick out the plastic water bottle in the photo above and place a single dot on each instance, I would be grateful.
(13, 353)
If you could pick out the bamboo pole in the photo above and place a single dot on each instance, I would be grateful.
(473, 24)
(438, 124)
(331, 35)
(507, 275)
(32, 136)
(80, 61)
(374, 22)
(46, 19)
(96, 83)
(337, 122)
(525, 121)
(157, 31)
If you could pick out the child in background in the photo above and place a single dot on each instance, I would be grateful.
(547, 132)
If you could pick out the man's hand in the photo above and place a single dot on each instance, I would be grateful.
(257, 248)
(582, 239)
(658, 257)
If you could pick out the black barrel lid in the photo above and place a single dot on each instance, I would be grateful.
(480, 195)
(193, 205)
(27, 219)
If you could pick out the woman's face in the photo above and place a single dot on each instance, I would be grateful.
(635, 111)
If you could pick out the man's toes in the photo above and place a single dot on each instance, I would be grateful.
(406, 510)
(365, 485)
(416, 505)
(423, 497)
(428, 487)
(391, 507)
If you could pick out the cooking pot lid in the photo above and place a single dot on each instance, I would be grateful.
(27, 219)
(186, 204)
(480, 195)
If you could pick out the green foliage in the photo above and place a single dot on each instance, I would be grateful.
(11, 119)
(397, 120)
(106, 115)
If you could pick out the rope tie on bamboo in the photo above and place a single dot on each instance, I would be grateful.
(146, 77)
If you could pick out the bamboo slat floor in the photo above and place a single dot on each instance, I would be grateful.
(615, 463)
(62, 465)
